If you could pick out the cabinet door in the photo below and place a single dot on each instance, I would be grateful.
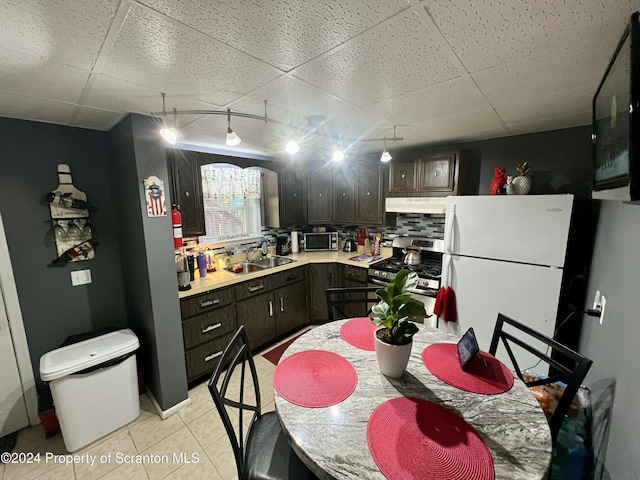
(402, 177)
(291, 311)
(320, 196)
(437, 173)
(257, 314)
(185, 183)
(292, 198)
(322, 276)
(369, 196)
(344, 187)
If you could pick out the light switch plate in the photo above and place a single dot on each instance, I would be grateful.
(80, 277)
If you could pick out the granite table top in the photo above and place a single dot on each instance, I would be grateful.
(332, 441)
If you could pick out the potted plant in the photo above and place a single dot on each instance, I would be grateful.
(393, 341)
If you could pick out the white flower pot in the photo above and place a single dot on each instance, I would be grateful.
(392, 359)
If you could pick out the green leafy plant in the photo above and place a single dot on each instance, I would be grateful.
(395, 307)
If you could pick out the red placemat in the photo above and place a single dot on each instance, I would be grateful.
(484, 372)
(315, 378)
(412, 438)
(359, 333)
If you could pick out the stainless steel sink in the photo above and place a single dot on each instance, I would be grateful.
(273, 262)
(245, 267)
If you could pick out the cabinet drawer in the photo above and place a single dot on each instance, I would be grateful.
(211, 325)
(254, 287)
(287, 277)
(202, 303)
(205, 358)
(356, 273)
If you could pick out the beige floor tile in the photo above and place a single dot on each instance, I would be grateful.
(153, 429)
(208, 428)
(174, 451)
(221, 456)
(108, 456)
(59, 473)
(1, 471)
(32, 440)
(264, 367)
(127, 471)
(269, 407)
(146, 405)
(203, 470)
(201, 403)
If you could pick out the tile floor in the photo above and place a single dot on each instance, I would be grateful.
(196, 431)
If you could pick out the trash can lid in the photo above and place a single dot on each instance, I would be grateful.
(79, 356)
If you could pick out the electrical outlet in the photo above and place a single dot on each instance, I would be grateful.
(80, 277)
(599, 302)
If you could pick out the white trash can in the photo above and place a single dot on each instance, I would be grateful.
(94, 384)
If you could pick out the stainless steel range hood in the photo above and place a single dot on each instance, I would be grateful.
(416, 204)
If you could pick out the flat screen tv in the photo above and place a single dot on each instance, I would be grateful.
(616, 122)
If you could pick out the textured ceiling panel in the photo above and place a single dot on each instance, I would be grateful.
(95, 119)
(284, 33)
(442, 100)
(64, 31)
(28, 108)
(33, 76)
(459, 127)
(488, 33)
(553, 123)
(396, 58)
(150, 50)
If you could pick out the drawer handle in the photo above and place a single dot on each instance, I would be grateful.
(255, 288)
(282, 304)
(211, 327)
(212, 356)
(208, 303)
(270, 308)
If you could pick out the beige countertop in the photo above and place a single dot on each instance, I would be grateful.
(224, 278)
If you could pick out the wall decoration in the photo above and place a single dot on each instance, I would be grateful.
(154, 195)
(70, 220)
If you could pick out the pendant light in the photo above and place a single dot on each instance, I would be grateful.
(232, 138)
(386, 156)
(338, 156)
(170, 134)
(292, 147)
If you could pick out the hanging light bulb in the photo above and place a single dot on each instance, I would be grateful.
(338, 156)
(386, 156)
(170, 134)
(292, 147)
(232, 138)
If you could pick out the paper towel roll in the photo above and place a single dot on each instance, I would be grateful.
(294, 242)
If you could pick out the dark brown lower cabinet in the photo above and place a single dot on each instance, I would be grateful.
(321, 277)
(291, 311)
(257, 314)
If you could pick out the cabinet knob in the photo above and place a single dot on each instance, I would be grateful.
(186, 194)
(435, 174)
(295, 195)
(319, 194)
(368, 194)
(343, 194)
(402, 176)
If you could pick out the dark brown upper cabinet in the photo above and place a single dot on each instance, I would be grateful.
(185, 185)
(428, 175)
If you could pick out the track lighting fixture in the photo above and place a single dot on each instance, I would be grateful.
(316, 128)
(232, 138)
(386, 156)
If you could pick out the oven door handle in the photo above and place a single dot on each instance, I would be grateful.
(378, 282)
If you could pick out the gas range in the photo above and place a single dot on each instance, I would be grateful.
(428, 270)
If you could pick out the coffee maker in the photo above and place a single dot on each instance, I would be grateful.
(182, 269)
(281, 246)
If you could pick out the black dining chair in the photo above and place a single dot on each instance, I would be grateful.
(572, 375)
(350, 302)
(260, 447)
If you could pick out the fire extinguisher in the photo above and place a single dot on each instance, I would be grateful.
(176, 220)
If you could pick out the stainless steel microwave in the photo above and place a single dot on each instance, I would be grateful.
(314, 242)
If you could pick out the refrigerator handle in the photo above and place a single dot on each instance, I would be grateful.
(448, 231)
(446, 265)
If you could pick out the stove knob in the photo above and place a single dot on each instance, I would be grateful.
(384, 274)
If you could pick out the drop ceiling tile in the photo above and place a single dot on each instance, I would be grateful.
(96, 119)
(560, 104)
(459, 126)
(395, 58)
(554, 123)
(283, 33)
(108, 93)
(36, 109)
(151, 50)
(67, 32)
(33, 76)
(486, 34)
(448, 98)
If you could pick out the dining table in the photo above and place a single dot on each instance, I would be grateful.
(334, 440)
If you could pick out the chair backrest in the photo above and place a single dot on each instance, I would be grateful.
(571, 376)
(227, 388)
(350, 302)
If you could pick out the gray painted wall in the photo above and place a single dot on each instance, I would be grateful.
(613, 346)
(52, 309)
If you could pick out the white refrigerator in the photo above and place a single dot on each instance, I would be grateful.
(505, 254)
